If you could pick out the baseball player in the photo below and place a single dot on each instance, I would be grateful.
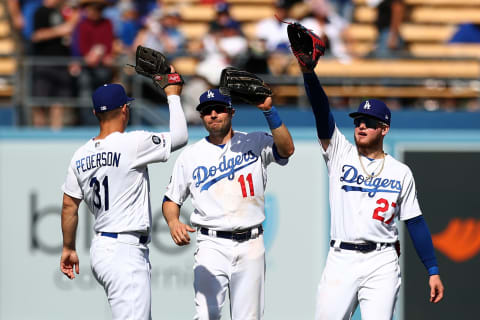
(225, 174)
(110, 174)
(368, 190)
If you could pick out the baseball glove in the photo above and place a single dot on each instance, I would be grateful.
(244, 85)
(154, 65)
(306, 45)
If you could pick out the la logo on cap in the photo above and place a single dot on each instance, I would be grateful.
(210, 94)
(367, 105)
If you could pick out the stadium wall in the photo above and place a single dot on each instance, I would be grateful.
(33, 165)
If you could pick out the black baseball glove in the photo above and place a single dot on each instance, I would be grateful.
(244, 85)
(154, 65)
(306, 45)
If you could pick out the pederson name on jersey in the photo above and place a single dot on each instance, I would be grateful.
(96, 160)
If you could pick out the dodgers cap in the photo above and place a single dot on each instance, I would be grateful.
(214, 97)
(109, 96)
(373, 108)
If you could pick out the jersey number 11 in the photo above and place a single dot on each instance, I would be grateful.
(241, 179)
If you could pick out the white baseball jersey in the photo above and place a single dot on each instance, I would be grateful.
(363, 208)
(111, 175)
(227, 184)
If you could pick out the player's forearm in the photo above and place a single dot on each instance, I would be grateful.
(422, 241)
(283, 141)
(69, 221)
(171, 211)
(320, 106)
(178, 123)
(281, 136)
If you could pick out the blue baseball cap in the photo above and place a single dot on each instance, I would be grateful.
(108, 97)
(214, 97)
(373, 108)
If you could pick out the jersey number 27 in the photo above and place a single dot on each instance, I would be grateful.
(383, 208)
(97, 198)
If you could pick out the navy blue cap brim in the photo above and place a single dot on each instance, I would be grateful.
(101, 111)
(212, 103)
(356, 114)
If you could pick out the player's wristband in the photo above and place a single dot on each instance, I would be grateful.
(273, 118)
(433, 270)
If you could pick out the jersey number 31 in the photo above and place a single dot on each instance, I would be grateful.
(97, 198)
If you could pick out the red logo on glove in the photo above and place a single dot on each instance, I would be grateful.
(174, 78)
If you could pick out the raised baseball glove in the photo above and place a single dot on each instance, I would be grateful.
(306, 45)
(243, 85)
(154, 65)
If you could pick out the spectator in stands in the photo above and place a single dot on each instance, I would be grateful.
(93, 41)
(332, 28)
(466, 33)
(344, 8)
(146, 7)
(256, 60)
(273, 31)
(129, 27)
(22, 14)
(223, 46)
(274, 34)
(223, 19)
(52, 80)
(162, 33)
(390, 15)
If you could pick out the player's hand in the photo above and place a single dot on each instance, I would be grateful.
(436, 288)
(179, 232)
(68, 262)
(174, 89)
(266, 105)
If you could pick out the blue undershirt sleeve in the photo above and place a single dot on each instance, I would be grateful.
(320, 106)
(422, 241)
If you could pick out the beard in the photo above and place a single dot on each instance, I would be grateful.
(373, 142)
(219, 129)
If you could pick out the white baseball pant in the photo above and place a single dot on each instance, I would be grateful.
(351, 277)
(224, 264)
(122, 267)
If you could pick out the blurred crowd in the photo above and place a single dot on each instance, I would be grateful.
(100, 35)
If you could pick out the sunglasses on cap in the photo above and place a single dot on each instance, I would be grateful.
(218, 109)
(369, 122)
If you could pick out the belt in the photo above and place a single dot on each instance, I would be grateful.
(141, 238)
(362, 247)
(240, 235)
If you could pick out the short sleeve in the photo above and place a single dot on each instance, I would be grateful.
(409, 207)
(151, 147)
(269, 150)
(338, 147)
(71, 185)
(177, 189)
